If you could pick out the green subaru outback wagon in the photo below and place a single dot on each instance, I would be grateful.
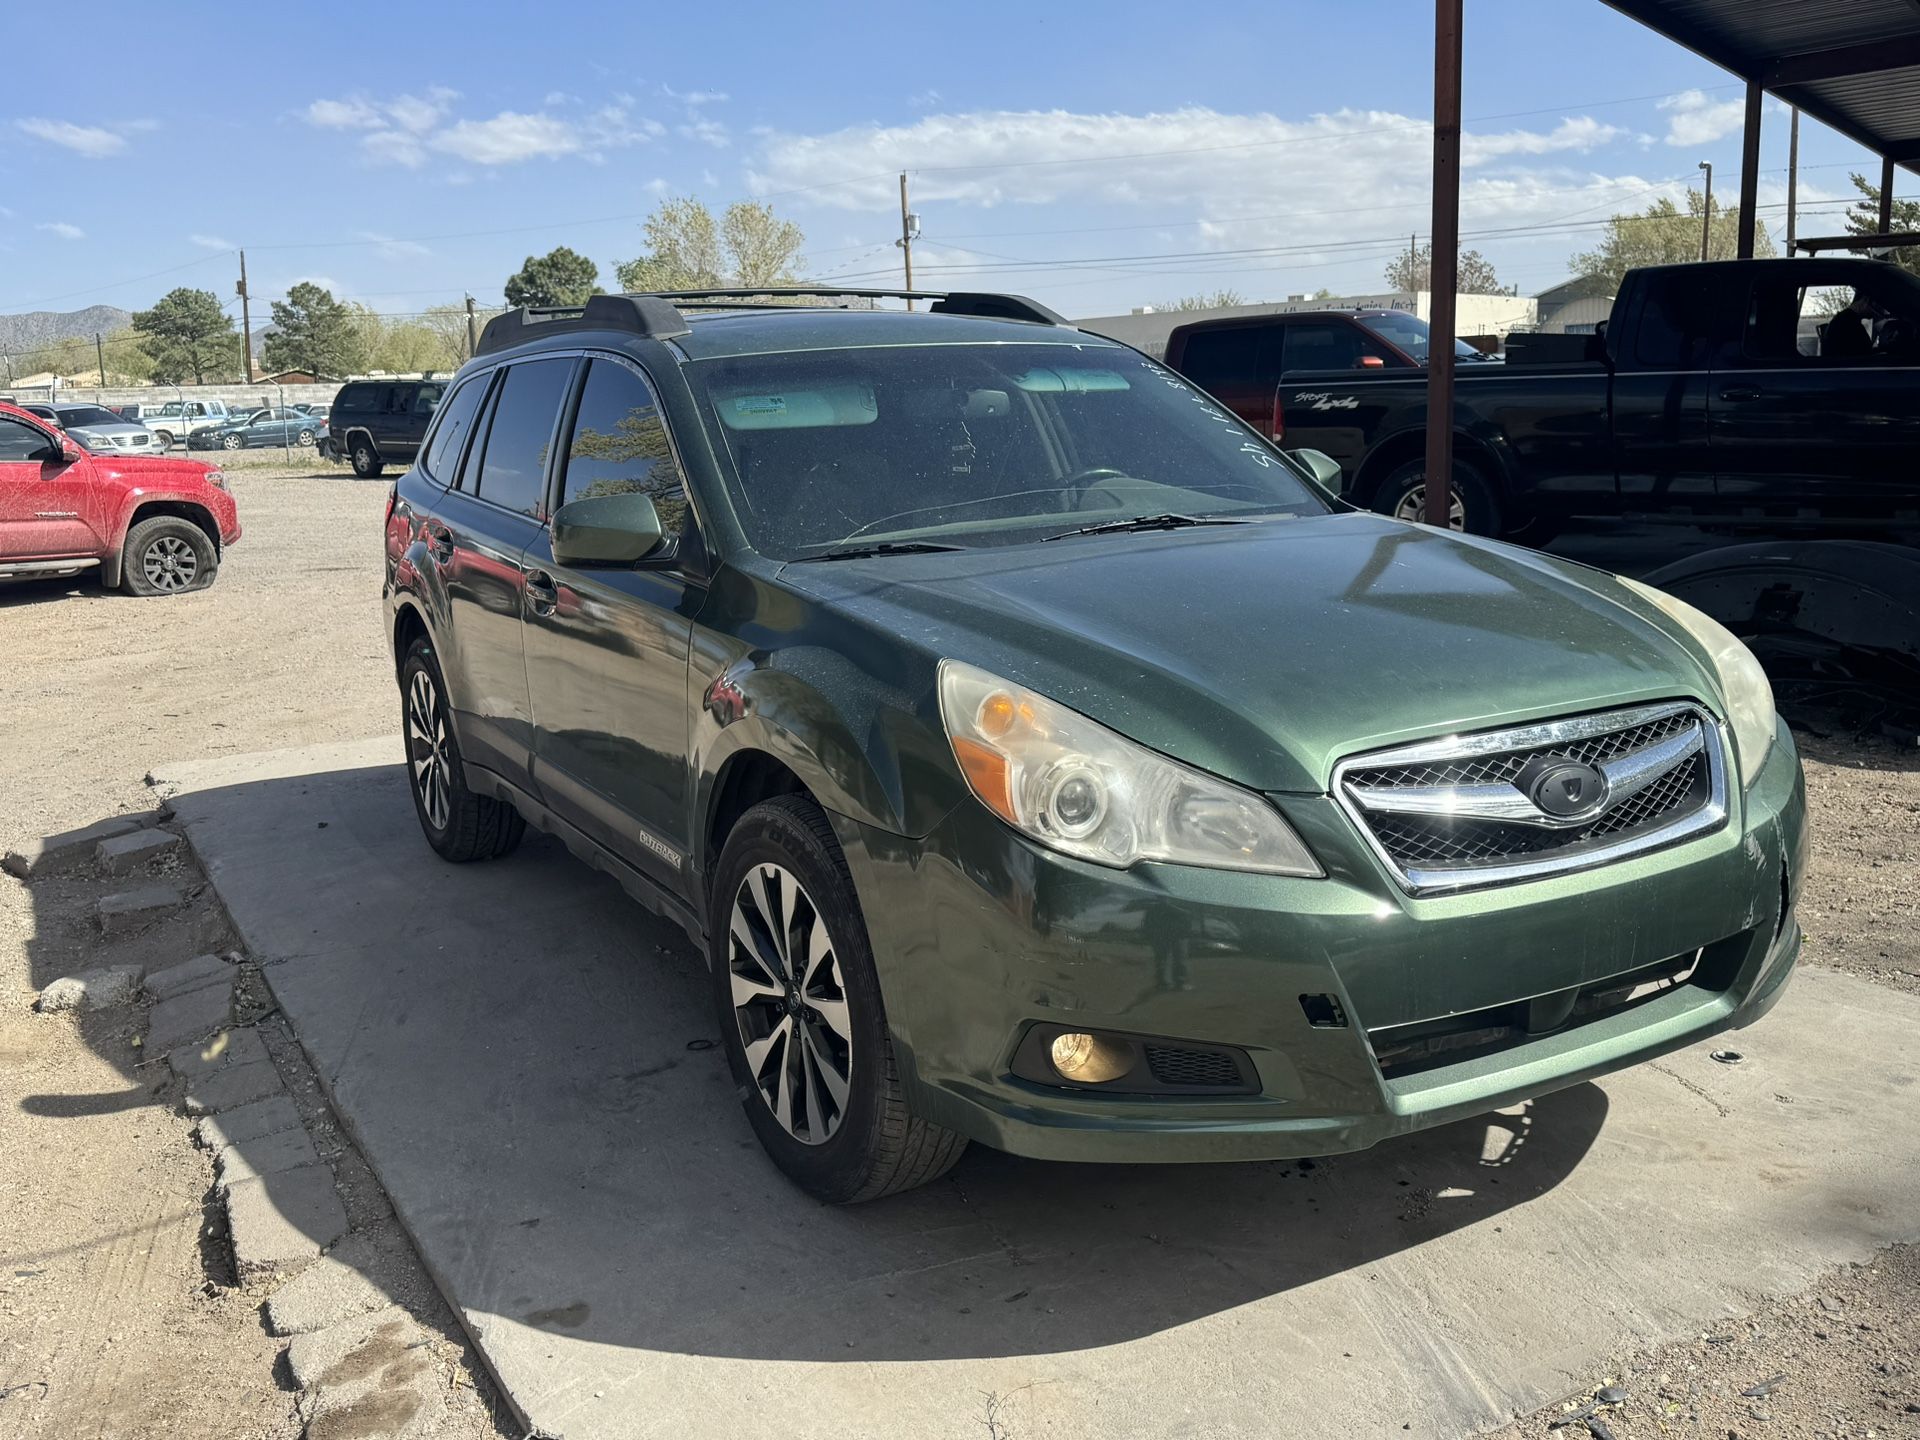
(1042, 758)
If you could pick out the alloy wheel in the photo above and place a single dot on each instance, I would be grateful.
(1413, 506)
(233, 442)
(170, 564)
(790, 1004)
(427, 749)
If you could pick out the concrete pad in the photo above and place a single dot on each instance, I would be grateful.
(372, 1376)
(231, 1086)
(509, 1044)
(264, 1155)
(284, 1220)
(222, 1048)
(132, 910)
(100, 988)
(192, 1016)
(54, 854)
(336, 1287)
(126, 854)
(248, 1122)
(194, 974)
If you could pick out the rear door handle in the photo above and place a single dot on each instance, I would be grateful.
(439, 542)
(542, 593)
(1741, 392)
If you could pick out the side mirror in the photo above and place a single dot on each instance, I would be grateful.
(69, 452)
(606, 530)
(1370, 362)
(1322, 467)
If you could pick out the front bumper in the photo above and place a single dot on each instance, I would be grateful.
(980, 935)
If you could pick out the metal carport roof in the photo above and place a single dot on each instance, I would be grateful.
(1851, 64)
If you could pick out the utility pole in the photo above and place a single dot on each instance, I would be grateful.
(100, 358)
(1706, 209)
(909, 229)
(1444, 272)
(1793, 177)
(473, 345)
(246, 321)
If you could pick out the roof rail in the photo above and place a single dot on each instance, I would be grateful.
(942, 302)
(645, 315)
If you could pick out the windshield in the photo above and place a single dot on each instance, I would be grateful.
(1409, 333)
(72, 415)
(977, 445)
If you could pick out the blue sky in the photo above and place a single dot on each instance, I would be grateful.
(1095, 156)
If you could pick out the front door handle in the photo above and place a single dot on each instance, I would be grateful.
(1741, 392)
(542, 593)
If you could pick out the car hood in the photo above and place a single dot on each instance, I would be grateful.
(1265, 653)
(152, 471)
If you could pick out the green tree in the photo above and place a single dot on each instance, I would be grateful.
(316, 333)
(71, 356)
(1863, 218)
(1664, 234)
(1412, 269)
(397, 346)
(687, 249)
(1218, 300)
(559, 277)
(189, 337)
(448, 325)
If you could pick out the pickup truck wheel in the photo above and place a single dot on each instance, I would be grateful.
(167, 556)
(366, 459)
(163, 438)
(459, 824)
(1472, 506)
(800, 1012)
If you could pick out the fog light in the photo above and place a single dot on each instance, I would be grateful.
(1090, 1059)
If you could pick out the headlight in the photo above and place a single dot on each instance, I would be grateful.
(1076, 787)
(1748, 695)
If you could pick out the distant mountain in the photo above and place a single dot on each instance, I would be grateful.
(20, 333)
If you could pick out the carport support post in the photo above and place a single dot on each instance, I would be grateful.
(1443, 273)
(1886, 195)
(1750, 168)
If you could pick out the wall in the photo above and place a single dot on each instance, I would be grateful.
(236, 394)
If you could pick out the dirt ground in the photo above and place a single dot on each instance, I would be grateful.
(114, 1320)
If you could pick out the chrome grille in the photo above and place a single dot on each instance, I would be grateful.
(1448, 814)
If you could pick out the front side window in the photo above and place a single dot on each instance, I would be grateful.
(19, 441)
(619, 446)
(1410, 335)
(977, 445)
(513, 473)
(456, 420)
(1874, 322)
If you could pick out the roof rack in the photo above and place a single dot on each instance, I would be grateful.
(656, 314)
(639, 314)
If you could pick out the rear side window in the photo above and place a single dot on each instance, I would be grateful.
(1227, 356)
(456, 420)
(513, 473)
(426, 398)
(619, 446)
(1675, 325)
(354, 398)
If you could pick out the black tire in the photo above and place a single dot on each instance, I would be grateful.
(1478, 502)
(366, 460)
(167, 556)
(876, 1146)
(459, 824)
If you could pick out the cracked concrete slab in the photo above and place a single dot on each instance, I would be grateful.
(192, 1016)
(511, 1046)
(194, 974)
(338, 1286)
(224, 1047)
(126, 854)
(248, 1122)
(264, 1155)
(231, 1087)
(69, 850)
(371, 1376)
(132, 910)
(281, 1221)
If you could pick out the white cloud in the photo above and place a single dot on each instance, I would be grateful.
(89, 140)
(925, 100)
(1694, 119)
(707, 132)
(694, 99)
(212, 242)
(62, 229)
(407, 129)
(394, 249)
(656, 186)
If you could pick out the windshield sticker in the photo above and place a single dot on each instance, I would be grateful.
(1256, 452)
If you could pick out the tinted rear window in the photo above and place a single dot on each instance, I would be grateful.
(456, 419)
(355, 397)
(1224, 356)
(513, 473)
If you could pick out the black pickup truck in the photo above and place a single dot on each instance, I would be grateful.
(1775, 393)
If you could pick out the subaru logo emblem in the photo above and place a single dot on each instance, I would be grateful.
(1564, 789)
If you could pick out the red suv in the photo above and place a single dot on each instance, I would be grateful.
(153, 526)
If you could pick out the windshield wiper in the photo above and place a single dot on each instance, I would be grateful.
(1147, 522)
(885, 547)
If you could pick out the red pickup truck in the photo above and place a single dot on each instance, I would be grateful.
(153, 526)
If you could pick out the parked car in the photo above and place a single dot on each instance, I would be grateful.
(278, 427)
(146, 523)
(318, 412)
(1043, 759)
(1239, 360)
(175, 419)
(377, 423)
(98, 428)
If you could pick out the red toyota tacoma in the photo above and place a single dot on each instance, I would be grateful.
(152, 525)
